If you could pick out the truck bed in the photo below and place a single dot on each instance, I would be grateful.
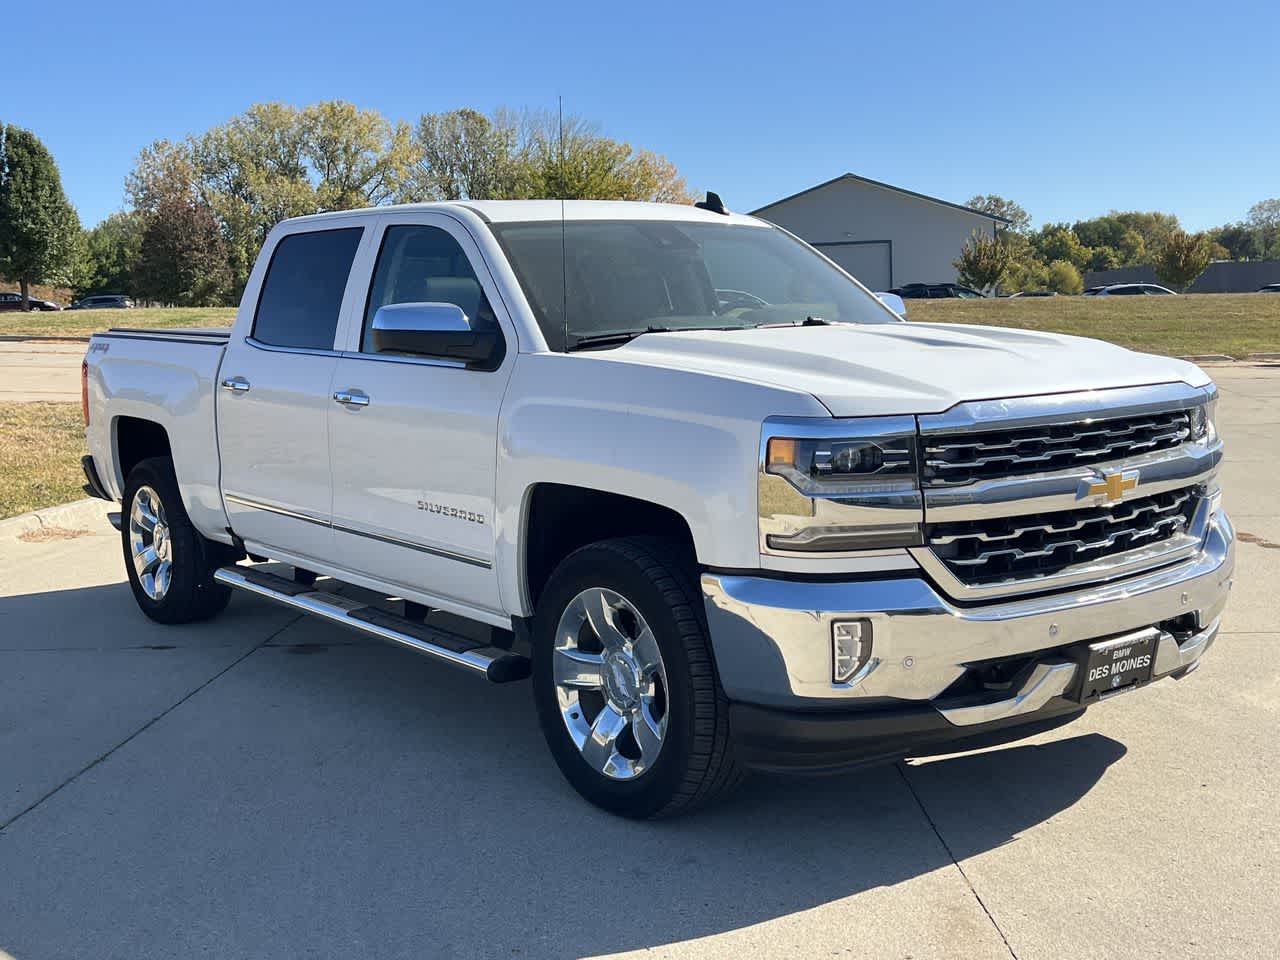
(166, 377)
(218, 335)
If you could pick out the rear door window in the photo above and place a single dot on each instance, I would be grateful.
(302, 293)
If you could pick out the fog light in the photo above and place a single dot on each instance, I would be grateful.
(850, 648)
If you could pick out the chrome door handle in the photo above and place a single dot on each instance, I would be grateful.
(236, 384)
(351, 398)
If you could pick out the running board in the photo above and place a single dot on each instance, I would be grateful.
(493, 663)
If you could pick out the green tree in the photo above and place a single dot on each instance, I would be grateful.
(1264, 220)
(1103, 258)
(1011, 210)
(983, 262)
(1063, 277)
(1182, 258)
(40, 238)
(182, 260)
(1057, 241)
(113, 247)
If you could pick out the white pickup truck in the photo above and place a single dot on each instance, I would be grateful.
(726, 508)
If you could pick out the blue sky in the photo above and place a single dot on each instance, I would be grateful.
(1070, 108)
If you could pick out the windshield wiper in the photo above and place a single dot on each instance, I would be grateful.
(807, 322)
(605, 339)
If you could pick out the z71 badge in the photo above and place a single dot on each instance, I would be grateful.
(456, 512)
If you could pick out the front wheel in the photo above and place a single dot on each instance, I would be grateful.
(170, 565)
(625, 684)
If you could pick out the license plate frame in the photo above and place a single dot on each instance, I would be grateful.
(1112, 666)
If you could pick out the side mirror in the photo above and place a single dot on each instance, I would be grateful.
(438, 330)
(894, 303)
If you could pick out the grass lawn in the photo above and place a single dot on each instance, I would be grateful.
(81, 323)
(1235, 324)
(40, 449)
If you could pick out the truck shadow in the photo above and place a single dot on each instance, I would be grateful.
(361, 799)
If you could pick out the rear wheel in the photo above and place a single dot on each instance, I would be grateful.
(170, 565)
(625, 683)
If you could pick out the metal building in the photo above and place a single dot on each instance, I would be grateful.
(884, 235)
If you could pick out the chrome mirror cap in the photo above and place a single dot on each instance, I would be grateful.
(426, 317)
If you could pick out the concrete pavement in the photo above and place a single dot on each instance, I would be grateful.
(34, 370)
(269, 786)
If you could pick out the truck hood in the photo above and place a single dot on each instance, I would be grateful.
(904, 368)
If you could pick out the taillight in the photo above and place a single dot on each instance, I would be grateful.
(84, 390)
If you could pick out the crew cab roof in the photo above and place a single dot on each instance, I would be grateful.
(508, 211)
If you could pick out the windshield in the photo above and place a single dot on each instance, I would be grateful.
(602, 281)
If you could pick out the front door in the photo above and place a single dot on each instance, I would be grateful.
(274, 397)
(414, 456)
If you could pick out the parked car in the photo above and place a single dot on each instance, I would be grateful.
(894, 303)
(611, 446)
(1128, 290)
(13, 301)
(1033, 293)
(936, 291)
(1270, 288)
(103, 302)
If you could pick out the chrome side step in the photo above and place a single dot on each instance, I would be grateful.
(493, 663)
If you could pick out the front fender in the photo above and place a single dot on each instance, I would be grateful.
(683, 440)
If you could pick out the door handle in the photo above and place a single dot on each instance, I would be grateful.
(352, 398)
(236, 384)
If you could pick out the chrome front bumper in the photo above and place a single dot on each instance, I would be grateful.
(772, 637)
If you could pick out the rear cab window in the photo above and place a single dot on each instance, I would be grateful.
(302, 292)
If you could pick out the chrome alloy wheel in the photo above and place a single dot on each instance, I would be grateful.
(611, 684)
(150, 543)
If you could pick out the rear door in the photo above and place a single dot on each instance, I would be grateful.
(274, 396)
(414, 460)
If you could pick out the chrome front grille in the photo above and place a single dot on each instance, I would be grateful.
(958, 458)
(1022, 548)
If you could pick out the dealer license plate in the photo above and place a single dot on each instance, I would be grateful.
(1121, 663)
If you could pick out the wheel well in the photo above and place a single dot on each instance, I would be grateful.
(136, 440)
(563, 518)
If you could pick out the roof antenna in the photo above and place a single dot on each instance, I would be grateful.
(564, 264)
(712, 203)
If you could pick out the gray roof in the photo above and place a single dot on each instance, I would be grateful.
(884, 186)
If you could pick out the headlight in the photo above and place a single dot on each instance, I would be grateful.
(1203, 427)
(840, 466)
(853, 490)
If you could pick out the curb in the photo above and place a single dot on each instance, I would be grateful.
(75, 515)
(1263, 357)
(1208, 358)
(18, 338)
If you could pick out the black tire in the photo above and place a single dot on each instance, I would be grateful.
(695, 763)
(192, 593)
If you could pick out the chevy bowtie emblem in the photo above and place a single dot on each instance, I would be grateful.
(1111, 486)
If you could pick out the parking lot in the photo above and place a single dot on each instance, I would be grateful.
(270, 786)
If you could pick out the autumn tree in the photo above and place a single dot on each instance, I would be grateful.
(1183, 257)
(983, 262)
(1063, 277)
(998, 206)
(40, 238)
(464, 155)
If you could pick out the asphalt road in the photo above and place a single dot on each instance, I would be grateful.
(269, 786)
(35, 370)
